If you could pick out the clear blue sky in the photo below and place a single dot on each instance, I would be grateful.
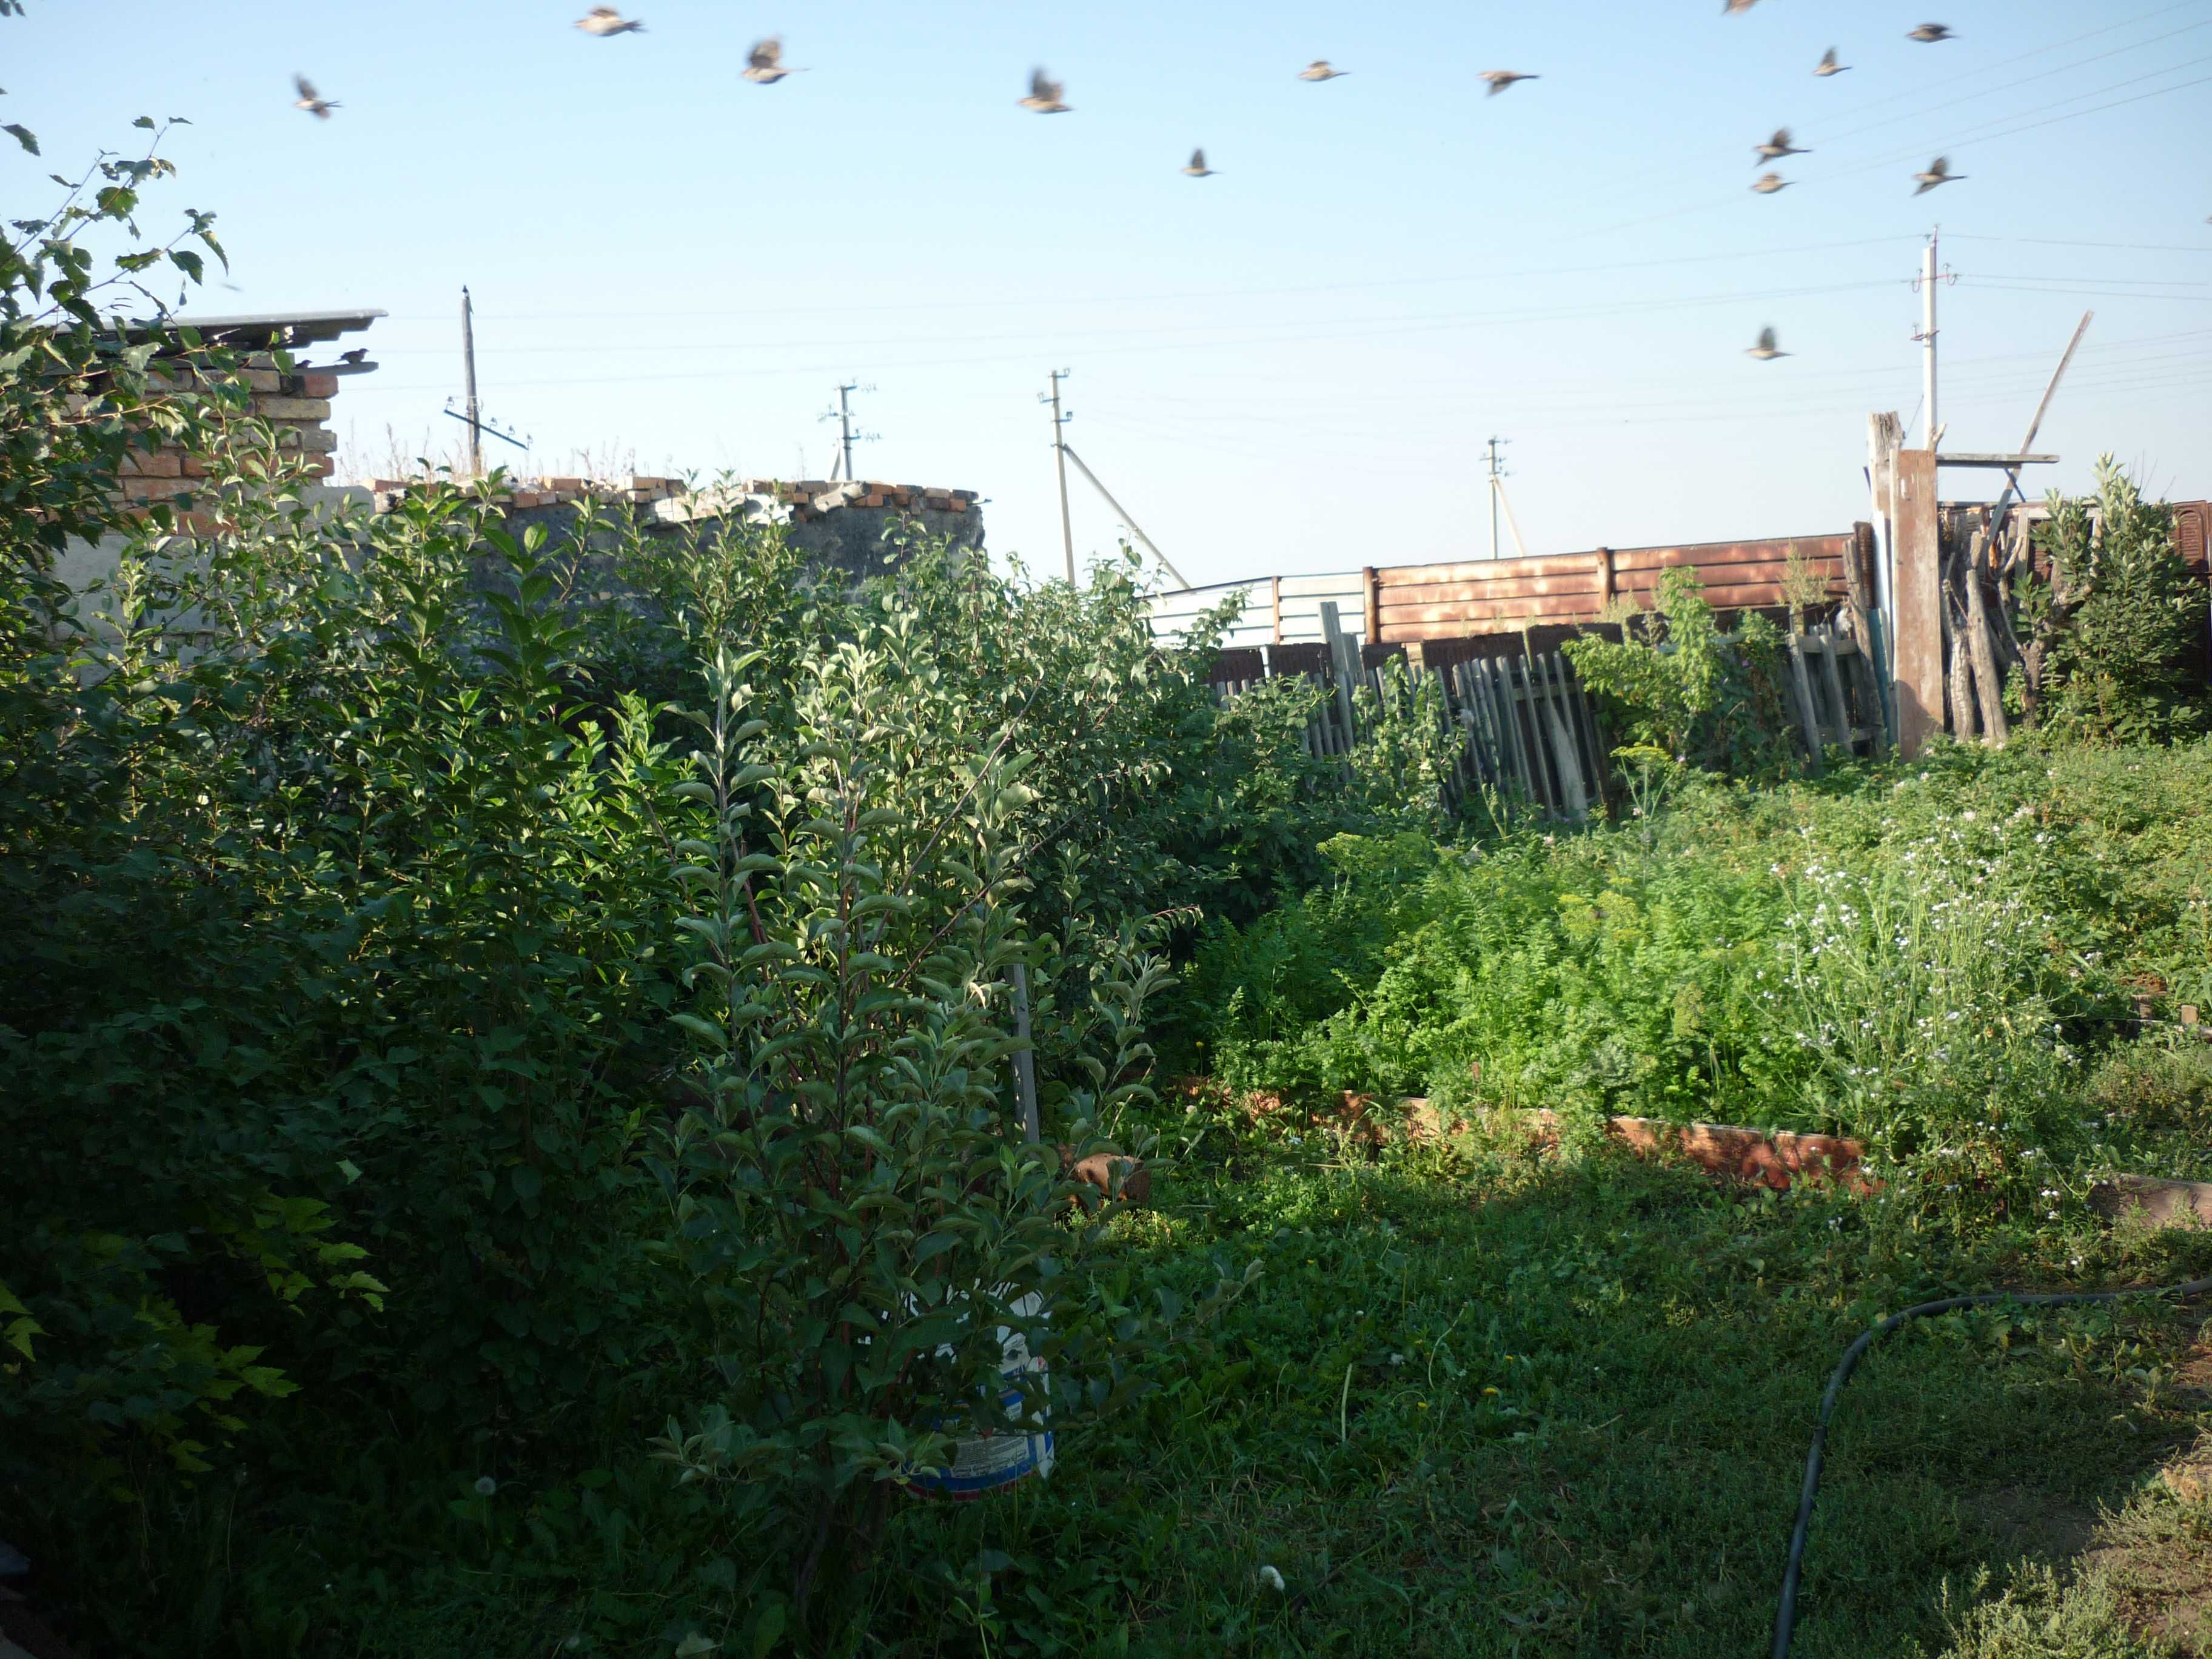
(1288, 367)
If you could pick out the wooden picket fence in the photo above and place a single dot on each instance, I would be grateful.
(1531, 731)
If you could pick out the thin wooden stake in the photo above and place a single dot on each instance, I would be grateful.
(1024, 1060)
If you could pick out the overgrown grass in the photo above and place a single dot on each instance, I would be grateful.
(1483, 1402)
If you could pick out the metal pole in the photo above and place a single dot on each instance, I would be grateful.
(1060, 462)
(468, 383)
(1927, 336)
(1068, 450)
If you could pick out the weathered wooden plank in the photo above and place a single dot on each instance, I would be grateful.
(1808, 715)
(1572, 795)
(1835, 683)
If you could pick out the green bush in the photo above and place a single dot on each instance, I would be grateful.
(1682, 687)
(2123, 622)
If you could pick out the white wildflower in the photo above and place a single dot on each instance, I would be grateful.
(1270, 1579)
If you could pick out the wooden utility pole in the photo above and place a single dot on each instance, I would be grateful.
(1927, 340)
(1060, 461)
(469, 384)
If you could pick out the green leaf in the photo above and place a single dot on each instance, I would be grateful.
(526, 1182)
(22, 136)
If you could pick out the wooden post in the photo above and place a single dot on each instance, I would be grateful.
(1997, 731)
(1604, 557)
(1332, 629)
(1276, 583)
(1918, 598)
(1370, 590)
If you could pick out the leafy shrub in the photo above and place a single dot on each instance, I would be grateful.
(2124, 622)
(1681, 686)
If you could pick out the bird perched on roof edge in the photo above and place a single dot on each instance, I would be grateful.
(764, 62)
(1501, 79)
(1198, 169)
(605, 21)
(1768, 183)
(1939, 172)
(1930, 32)
(1320, 69)
(311, 100)
(1828, 65)
(1777, 147)
(1765, 350)
(1044, 95)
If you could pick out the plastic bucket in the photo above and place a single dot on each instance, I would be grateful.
(988, 1461)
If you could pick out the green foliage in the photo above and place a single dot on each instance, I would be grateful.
(852, 1197)
(1680, 685)
(2127, 623)
(1939, 960)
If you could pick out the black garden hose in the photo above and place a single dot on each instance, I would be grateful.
(1785, 1616)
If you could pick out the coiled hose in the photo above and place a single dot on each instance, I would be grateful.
(1785, 1616)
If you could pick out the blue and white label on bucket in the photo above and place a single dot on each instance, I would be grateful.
(985, 1462)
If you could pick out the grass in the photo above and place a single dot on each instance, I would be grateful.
(1539, 1407)
(1486, 1400)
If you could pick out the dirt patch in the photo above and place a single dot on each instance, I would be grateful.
(2035, 1523)
(2155, 1555)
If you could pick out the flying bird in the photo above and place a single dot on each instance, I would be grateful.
(1931, 33)
(1044, 95)
(764, 62)
(310, 100)
(1939, 172)
(603, 20)
(1777, 147)
(1319, 69)
(1501, 79)
(1729, 8)
(1198, 169)
(1770, 182)
(1828, 65)
(1766, 352)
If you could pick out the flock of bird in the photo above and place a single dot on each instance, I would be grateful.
(764, 66)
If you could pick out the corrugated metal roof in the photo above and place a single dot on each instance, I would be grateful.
(274, 328)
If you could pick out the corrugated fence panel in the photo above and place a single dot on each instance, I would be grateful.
(1303, 597)
(1442, 601)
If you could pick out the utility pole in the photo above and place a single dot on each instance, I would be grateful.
(469, 383)
(1930, 275)
(1497, 472)
(1060, 461)
(843, 415)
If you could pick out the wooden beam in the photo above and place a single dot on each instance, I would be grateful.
(1974, 458)
(1919, 602)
